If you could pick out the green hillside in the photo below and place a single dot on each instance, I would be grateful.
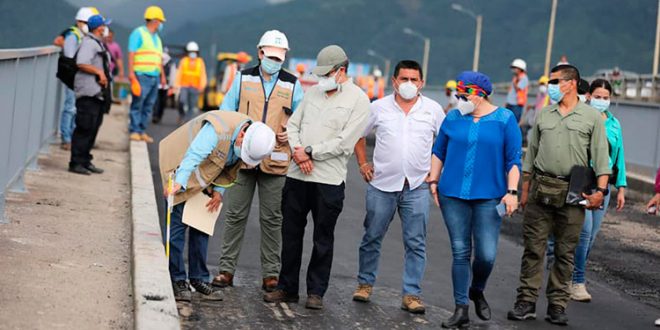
(594, 34)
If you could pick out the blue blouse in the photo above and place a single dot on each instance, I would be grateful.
(478, 156)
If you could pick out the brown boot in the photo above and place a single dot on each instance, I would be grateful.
(146, 138)
(314, 302)
(413, 304)
(280, 296)
(269, 284)
(136, 137)
(362, 293)
(223, 280)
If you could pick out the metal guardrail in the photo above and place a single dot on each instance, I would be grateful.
(29, 111)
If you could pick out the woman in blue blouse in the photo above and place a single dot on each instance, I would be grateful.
(478, 150)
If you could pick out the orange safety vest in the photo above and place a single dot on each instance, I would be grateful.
(521, 94)
(191, 72)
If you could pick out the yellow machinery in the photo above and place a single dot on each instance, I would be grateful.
(227, 65)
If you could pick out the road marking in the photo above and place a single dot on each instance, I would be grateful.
(287, 311)
(276, 312)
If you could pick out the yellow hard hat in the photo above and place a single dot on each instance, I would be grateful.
(543, 80)
(154, 12)
(95, 11)
(451, 84)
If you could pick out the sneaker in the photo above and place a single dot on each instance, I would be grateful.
(90, 167)
(182, 291)
(269, 284)
(79, 169)
(413, 304)
(579, 292)
(136, 137)
(280, 296)
(522, 310)
(206, 290)
(556, 315)
(362, 293)
(223, 280)
(146, 138)
(314, 302)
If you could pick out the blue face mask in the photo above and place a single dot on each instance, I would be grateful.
(600, 104)
(555, 94)
(160, 27)
(270, 66)
(237, 151)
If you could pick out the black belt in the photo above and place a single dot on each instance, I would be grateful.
(560, 177)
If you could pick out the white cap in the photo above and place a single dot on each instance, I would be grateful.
(192, 47)
(520, 64)
(274, 38)
(258, 143)
(377, 73)
(84, 14)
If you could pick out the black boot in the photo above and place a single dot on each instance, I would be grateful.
(460, 319)
(557, 315)
(480, 304)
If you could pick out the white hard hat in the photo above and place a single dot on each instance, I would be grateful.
(258, 143)
(84, 14)
(192, 47)
(520, 64)
(378, 73)
(274, 38)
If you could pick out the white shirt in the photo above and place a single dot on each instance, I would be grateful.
(403, 142)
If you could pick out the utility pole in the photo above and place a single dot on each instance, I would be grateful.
(656, 53)
(551, 34)
(477, 44)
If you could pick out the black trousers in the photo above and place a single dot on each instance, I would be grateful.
(161, 101)
(89, 116)
(326, 203)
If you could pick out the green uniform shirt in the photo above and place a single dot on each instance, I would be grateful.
(558, 143)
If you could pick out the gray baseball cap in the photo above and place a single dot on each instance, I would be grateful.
(329, 58)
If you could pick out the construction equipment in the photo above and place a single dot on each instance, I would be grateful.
(227, 65)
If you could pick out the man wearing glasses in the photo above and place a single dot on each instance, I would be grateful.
(322, 134)
(268, 94)
(566, 134)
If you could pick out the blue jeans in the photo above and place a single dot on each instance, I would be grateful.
(516, 109)
(188, 97)
(413, 206)
(592, 222)
(68, 116)
(143, 105)
(197, 248)
(471, 221)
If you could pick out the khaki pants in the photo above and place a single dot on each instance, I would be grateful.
(539, 222)
(238, 202)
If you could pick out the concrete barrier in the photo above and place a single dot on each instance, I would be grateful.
(155, 307)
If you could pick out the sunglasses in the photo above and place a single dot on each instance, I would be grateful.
(461, 97)
(556, 81)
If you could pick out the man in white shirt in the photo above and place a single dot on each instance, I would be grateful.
(406, 124)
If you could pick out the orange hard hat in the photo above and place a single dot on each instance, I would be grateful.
(301, 68)
(242, 57)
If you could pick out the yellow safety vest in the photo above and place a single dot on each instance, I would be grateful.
(149, 57)
(76, 31)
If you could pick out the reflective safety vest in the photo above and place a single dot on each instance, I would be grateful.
(149, 57)
(269, 109)
(76, 31)
(191, 72)
(212, 170)
(521, 94)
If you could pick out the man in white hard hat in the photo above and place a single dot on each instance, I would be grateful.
(206, 161)
(516, 99)
(335, 113)
(70, 40)
(268, 94)
(190, 81)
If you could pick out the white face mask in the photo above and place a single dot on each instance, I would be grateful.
(85, 29)
(407, 90)
(106, 32)
(327, 84)
(543, 89)
(465, 107)
(583, 98)
(192, 55)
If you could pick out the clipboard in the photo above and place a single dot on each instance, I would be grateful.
(583, 180)
(196, 214)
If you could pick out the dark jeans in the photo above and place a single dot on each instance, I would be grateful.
(198, 243)
(88, 121)
(159, 108)
(326, 203)
(516, 109)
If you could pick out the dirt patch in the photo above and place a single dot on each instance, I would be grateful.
(65, 256)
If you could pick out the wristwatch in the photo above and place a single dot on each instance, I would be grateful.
(308, 151)
(605, 191)
(512, 192)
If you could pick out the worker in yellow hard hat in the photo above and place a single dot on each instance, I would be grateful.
(145, 70)
(450, 92)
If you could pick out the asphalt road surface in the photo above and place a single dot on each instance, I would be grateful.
(243, 307)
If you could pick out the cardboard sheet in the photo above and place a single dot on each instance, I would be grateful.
(197, 215)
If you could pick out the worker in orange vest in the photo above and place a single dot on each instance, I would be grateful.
(190, 81)
(516, 99)
(376, 86)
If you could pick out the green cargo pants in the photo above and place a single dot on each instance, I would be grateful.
(539, 222)
(238, 202)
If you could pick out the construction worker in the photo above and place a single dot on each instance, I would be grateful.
(516, 99)
(301, 69)
(231, 70)
(269, 94)
(529, 117)
(376, 86)
(190, 81)
(220, 143)
(145, 67)
(450, 93)
(70, 40)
